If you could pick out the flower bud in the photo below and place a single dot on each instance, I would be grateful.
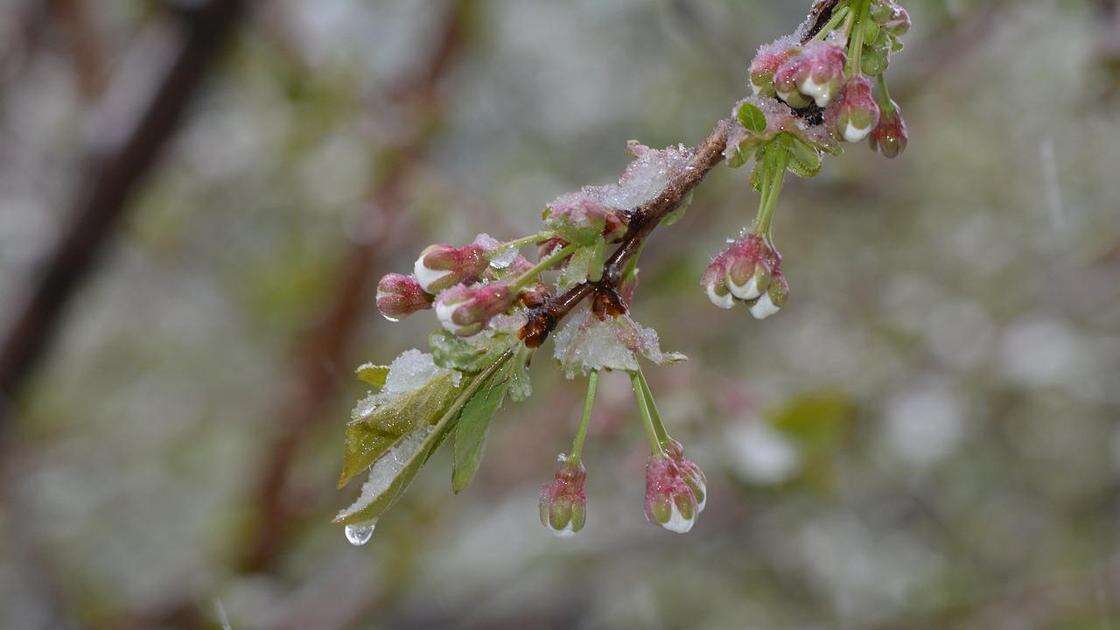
(890, 136)
(775, 297)
(693, 476)
(583, 212)
(670, 501)
(399, 296)
(816, 73)
(563, 502)
(464, 311)
(714, 281)
(442, 266)
(766, 62)
(748, 267)
(856, 113)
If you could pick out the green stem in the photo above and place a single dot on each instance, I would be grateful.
(585, 420)
(886, 105)
(518, 243)
(838, 16)
(549, 262)
(775, 160)
(860, 9)
(647, 419)
(658, 425)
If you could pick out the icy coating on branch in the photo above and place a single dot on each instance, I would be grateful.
(585, 344)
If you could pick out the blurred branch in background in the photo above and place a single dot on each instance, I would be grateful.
(86, 48)
(138, 115)
(323, 355)
(1108, 46)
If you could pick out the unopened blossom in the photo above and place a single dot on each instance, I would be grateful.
(691, 473)
(465, 310)
(890, 136)
(714, 281)
(582, 212)
(743, 271)
(766, 62)
(563, 502)
(670, 501)
(774, 298)
(855, 113)
(442, 266)
(817, 74)
(399, 296)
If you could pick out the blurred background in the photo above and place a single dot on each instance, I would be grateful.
(196, 201)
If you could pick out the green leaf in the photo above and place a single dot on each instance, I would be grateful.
(368, 438)
(577, 269)
(373, 375)
(804, 160)
(676, 215)
(520, 385)
(402, 468)
(596, 259)
(466, 355)
(752, 118)
(471, 429)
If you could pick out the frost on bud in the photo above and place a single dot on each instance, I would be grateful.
(670, 501)
(775, 297)
(766, 62)
(442, 266)
(693, 476)
(855, 113)
(464, 311)
(399, 296)
(816, 74)
(891, 17)
(563, 502)
(581, 217)
(890, 136)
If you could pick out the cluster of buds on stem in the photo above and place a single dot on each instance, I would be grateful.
(563, 502)
(750, 271)
(676, 489)
(465, 310)
(814, 73)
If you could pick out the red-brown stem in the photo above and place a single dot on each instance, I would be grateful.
(643, 220)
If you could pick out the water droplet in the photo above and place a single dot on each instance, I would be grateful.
(360, 533)
(392, 319)
(504, 259)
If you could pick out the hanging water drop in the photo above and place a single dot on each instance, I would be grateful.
(504, 259)
(392, 319)
(359, 534)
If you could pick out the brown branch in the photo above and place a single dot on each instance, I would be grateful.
(643, 220)
(326, 346)
(118, 159)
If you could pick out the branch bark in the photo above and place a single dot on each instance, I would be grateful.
(121, 152)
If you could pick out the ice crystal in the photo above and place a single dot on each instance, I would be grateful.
(585, 344)
(407, 373)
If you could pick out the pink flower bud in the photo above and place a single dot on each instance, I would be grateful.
(741, 272)
(816, 73)
(889, 136)
(775, 297)
(464, 311)
(399, 296)
(766, 62)
(693, 476)
(714, 281)
(581, 211)
(891, 16)
(855, 113)
(563, 502)
(670, 501)
(443, 266)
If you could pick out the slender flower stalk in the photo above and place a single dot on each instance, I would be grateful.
(547, 263)
(585, 419)
(647, 417)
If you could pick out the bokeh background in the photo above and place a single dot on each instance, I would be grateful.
(927, 436)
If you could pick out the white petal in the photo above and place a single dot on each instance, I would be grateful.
(764, 307)
(748, 291)
(819, 92)
(724, 301)
(425, 276)
(443, 313)
(566, 532)
(855, 134)
(677, 522)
